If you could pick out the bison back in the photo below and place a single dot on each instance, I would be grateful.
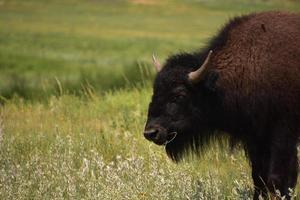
(259, 65)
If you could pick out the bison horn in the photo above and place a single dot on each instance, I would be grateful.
(199, 74)
(156, 63)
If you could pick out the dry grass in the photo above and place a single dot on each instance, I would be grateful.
(73, 148)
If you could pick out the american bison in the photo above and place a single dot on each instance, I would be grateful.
(245, 83)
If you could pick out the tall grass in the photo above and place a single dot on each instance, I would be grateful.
(71, 148)
(93, 148)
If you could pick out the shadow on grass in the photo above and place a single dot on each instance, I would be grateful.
(37, 87)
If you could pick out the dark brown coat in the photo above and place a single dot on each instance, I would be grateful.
(251, 92)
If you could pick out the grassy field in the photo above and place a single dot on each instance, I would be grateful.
(75, 82)
(103, 44)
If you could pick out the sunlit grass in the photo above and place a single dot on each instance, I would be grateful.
(92, 147)
(74, 148)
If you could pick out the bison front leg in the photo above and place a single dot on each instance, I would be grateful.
(274, 167)
(274, 162)
(259, 157)
(283, 167)
(258, 177)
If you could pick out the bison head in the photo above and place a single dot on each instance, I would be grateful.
(181, 103)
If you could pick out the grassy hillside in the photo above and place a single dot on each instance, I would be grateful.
(100, 43)
(75, 84)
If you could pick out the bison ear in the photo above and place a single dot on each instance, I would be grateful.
(200, 73)
(210, 81)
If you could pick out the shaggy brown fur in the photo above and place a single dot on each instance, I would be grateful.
(259, 70)
(252, 92)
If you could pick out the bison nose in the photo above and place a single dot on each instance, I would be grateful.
(150, 134)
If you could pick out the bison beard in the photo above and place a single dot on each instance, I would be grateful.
(246, 83)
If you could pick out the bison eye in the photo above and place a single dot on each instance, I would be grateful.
(178, 98)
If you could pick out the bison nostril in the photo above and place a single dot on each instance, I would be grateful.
(150, 134)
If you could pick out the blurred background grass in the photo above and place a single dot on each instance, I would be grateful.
(101, 44)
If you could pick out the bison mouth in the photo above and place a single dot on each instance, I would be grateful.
(170, 137)
(160, 136)
(164, 140)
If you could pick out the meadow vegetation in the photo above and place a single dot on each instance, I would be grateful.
(75, 82)
(102, 43)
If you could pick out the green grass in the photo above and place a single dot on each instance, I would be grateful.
(74, 148)
(93, 148)
(101, 42)
(75, 84)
